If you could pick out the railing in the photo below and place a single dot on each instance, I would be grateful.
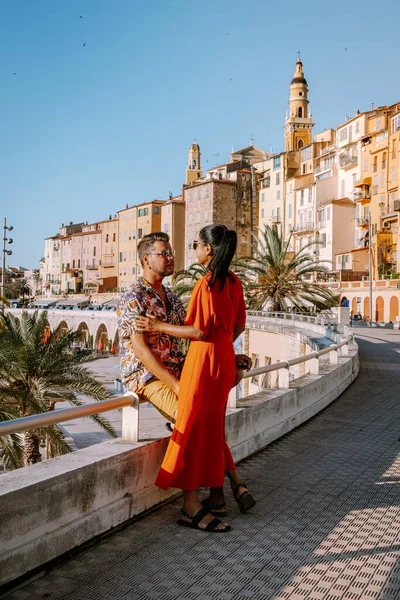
(307, 226)
(92, 267)
(328, 150)
(130, 416)
(362, 195)
(345, 161)
(362, 222)
(130, 401)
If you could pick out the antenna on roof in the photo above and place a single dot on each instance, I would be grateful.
(251, 140)
(217, 155)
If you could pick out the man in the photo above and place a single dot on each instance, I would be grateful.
(151, 363)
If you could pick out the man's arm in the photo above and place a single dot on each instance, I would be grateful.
(151, 362)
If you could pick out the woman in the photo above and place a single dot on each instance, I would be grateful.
(197, 454)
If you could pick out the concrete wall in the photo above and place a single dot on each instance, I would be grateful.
(55, 506)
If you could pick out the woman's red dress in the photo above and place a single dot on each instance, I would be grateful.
(197, 454)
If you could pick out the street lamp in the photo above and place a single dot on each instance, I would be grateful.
(5, 252)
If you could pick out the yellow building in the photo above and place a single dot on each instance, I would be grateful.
(133, 223)
(298, 123)
(377, 189)
(173, 223)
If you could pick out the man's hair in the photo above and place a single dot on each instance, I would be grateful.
(146, 244)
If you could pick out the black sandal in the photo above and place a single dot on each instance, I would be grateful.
(199, 516)
(215, 509)
(245, 501)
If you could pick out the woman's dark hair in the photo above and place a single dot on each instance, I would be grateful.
(223, 242)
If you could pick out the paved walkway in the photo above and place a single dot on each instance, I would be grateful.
(326, 526)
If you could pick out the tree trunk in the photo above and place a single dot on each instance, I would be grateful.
(31, 448)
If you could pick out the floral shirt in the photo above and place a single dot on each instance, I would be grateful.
(142, 299)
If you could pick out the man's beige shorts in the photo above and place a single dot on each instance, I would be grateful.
(161, 396)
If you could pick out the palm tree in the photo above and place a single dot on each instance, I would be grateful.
(38, 368)
(185, 281)
(24, 288)
(278, 278)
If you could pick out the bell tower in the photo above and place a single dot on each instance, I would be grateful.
(193, 170)
(298, 122)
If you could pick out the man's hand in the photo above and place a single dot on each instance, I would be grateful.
(243, 361)
(147, 323)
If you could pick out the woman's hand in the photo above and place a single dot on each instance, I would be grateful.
(148, 323)
(243, 362)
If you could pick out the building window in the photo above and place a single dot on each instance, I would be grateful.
(262, 197)
(304, 169)
(289, 211)
(393, 177)
(156, 210)
(114, 237)
(106, 238)
(365, 167)
(278, 194)
(354, 176)
(382, 180)
(343, 134)
(256, 363)
(277, 162)
(243, 195)
(300, 112)
(357, 126)
(301, 197)
(94, 251)
(328, 213)
(384, 160)
(139, 233)
(309, 195)
(278, 215)
(278, 179)
(262, 213)
(395, 123)
(166, 227)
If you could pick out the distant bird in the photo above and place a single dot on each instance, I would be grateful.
(230, 80)
(84, 44)
(227, 34)
(81, 17)
(14, 73)
(345, 48)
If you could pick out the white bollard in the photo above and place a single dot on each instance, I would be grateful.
(232, 398)
(130, 420)
(333, 357)
(345, 349)
(283, 378)
(314, 366)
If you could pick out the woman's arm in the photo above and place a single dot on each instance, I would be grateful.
(238, 330)
(186, 332)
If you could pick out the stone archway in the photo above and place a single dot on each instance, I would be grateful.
(84, 337)
(101, 341)
(394, 308)
(366, 308)
(380, 310)
(343, 300)
(62, 328)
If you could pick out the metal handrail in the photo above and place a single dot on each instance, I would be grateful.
(130, 399)
(66, 414)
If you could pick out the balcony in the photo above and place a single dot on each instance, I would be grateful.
(328, 150)
(275, 220)
(92, 267)
(362, 195)
(321, 224)
(347, 161)
(396, 205)
(362, 222)
(304, 227)
(108, 265)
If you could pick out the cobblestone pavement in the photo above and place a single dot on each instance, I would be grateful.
(326, 525)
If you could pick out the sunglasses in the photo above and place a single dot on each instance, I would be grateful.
(164, 253)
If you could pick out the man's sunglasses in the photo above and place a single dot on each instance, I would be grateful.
(164, 253)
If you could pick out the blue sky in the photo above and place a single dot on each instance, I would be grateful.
(86, 129)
